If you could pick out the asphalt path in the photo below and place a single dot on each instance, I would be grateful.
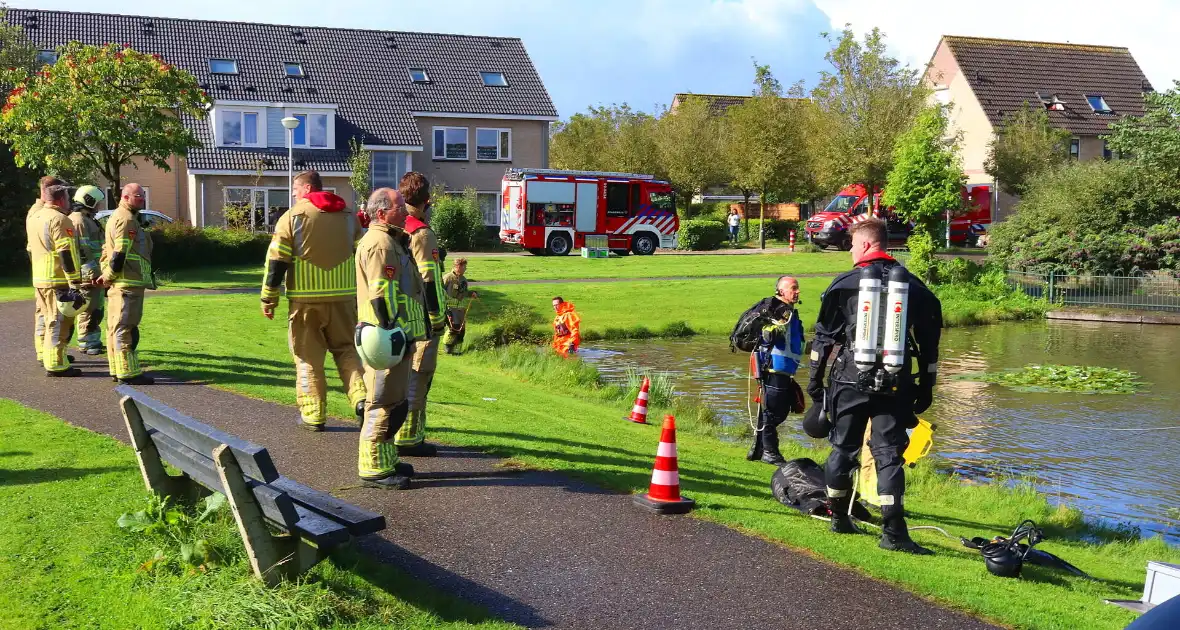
(537, 548)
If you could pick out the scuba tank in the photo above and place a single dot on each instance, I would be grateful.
(896, 305)
(868, 308)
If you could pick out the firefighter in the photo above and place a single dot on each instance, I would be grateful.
(389, 297)
(779, 353)
(567, 335)
(415, 189)
(45, 184)
(90, 236)
(865, 382)
(53, 246)
(312, 254)
(127, 271)
(455, 288)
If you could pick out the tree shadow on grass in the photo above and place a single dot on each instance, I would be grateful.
(44, 475)
(15, 453)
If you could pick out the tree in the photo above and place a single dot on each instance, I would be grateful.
(1025, 145)
(867, 100)
(689, 143)
(99, 108)
(1153, 140)
(18, 59)
(360, 162)
(927, 176)
(615, 138)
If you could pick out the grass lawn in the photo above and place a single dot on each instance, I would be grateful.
(567, 267)
(548, 415)
(65, 563)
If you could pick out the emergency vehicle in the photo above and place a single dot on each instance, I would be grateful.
(552, 212)
(830, 227)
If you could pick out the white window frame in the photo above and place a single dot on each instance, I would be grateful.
(425, 75)
(1102, 100)
(499, 204)
(435, 147)
(500, 131)
(1075, 142)
(259, 127)
(233, 61)
(307, 113)
(265, 190)
(484, 79)
(147, 197)
(297, 64)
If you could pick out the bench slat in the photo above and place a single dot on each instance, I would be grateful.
(254, 459)
(358, 521)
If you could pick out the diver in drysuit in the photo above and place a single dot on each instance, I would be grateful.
(868, 363)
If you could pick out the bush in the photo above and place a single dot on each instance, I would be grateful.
(457, 220)
(514, 324)
(701, 235)
(921, 261)
(776, 229)
(957, 271)
(177, 246)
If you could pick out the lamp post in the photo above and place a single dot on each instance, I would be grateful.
(290, 123)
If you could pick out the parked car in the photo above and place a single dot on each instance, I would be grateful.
(148, 219)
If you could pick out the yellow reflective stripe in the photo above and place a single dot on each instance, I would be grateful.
(311, 281)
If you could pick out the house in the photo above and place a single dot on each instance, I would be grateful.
(1083, 88)
(458, 108)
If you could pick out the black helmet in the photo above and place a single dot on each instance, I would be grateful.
(1002, 559)
(815, 422)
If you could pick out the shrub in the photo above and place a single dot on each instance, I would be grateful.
(776, 229)
(181, 246)
(701, 235)
(921, 261)
(806, 247)
(956, 271)
(457, 220)
(514, 324)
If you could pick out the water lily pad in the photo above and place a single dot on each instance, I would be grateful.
(1078, 379)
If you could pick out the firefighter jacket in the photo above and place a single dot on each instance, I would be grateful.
(386, 274)
(127, 250)
(312, 252)
(424, 248)
(567, 327)
(781, 350)
(53, 245)
(90, 236)
(455, 288)
(37, 205)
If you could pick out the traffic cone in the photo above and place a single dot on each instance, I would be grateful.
(639, 411)
(663, 497)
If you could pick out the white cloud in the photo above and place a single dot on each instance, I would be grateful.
(912, 27)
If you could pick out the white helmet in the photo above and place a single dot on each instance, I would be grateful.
(379, 348)
(89, 196)
(72, 302)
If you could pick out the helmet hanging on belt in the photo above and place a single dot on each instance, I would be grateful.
(379, 348)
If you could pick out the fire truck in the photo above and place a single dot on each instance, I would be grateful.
(830, 227)
(552, 212)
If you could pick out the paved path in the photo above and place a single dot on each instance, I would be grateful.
(536, 548)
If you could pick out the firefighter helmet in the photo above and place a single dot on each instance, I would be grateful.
(71, 302)
(89, 196)
(379, 348)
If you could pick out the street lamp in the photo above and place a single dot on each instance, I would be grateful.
(290, 123)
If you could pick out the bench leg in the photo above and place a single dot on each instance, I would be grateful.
(267, 553)
(155, 477)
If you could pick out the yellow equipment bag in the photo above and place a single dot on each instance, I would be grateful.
(921, 439)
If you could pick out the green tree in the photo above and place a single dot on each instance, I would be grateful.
(867, 100)
(18, 59)
(98, 109)
(1025, 145)
(689, 143)
(360, 162)
(615, 138)
(927, 176)
(1152, 140)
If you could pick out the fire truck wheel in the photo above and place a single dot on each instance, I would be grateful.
(559, 244)
(643, 244)
(846, 244)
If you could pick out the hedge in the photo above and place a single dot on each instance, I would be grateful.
(701, 234)
(776, 229)
(183, 246)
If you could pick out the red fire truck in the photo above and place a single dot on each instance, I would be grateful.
(830, 227)
(552, 212)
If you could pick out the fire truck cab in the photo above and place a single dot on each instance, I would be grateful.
(552, 212)
(830, 227)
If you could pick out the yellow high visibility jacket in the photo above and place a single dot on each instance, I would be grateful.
(385, 269)
(29, 228)
(424, 247)
(90, 236)
(125, 235)
(317, 236)
(51, 238)
(455, 288)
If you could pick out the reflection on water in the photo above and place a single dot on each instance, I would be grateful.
(985, 430)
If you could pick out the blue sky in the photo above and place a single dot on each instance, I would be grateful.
(644, 51)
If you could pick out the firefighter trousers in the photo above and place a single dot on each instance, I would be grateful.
(851, 412)
(386, 409)
(90, 321)
(456, 328)
(38, 324)
(126, 312)
(413, 432)
(315, 329)
(57, 330)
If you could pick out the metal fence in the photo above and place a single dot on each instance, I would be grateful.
(1151, 292)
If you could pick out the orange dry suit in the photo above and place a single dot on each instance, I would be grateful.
(566, 329)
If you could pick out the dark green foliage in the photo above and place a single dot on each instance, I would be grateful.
(181, 247)
(776, 229)
(18, 188)
(701, 234)
(457, 221)
(514, 324)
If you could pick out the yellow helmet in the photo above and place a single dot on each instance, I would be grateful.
(89, 196)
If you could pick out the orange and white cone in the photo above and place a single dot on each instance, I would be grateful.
(663, 496)
(639, 411)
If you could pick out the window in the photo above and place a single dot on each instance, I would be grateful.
(256, 207)
(239, 128)
(312, 132)
(1075, 148)
(419, 75)
(450, 143)
(1108, 154)
(494, 79)
(489, 207)
(663, 201)
(223, 66)
(388, 168)
(46, 57)
(617, 199)
(293, 70)
(493, 144)
(1098, 104)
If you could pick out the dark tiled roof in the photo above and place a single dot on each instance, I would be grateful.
(363, 72)
(719, 103)
(214, 158)
(1004, 74)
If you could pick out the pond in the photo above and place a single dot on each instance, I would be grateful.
(989, 430)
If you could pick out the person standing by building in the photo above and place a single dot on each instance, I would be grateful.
(53, 245)
(779, 353)
(127, 271)
(389, 296)
(734, 220)
(31, 234)
(860, 387)
(311, 253)
(567, 328)
(90, 237)
(415, 189)
(458, 296)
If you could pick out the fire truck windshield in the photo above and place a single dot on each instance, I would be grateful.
(841, 203)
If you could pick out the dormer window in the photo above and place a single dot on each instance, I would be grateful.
(494, 79)
(46, 57)
(293, 69)
(419, 75)
(1051, 103)
(1098, 104)
(223, 66)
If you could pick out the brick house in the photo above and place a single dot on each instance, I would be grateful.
(1083, 88)
(458, 108)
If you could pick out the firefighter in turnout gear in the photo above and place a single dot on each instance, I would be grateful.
(779, 354)
(458, 300)
(45, 183)
(311, 253)
(567, 328)
(127, 271)
(53, 245)
(90, 237)
(389, 296)
(415, 189)
(869, 375)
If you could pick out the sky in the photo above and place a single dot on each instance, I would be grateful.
(642, 52)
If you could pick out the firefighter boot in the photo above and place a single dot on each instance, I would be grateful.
(894, 534)
(68, 372)
(395, 481)
(138, 379)
(841, 521)
(770, 453)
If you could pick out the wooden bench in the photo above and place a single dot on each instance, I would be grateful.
(308, 523)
